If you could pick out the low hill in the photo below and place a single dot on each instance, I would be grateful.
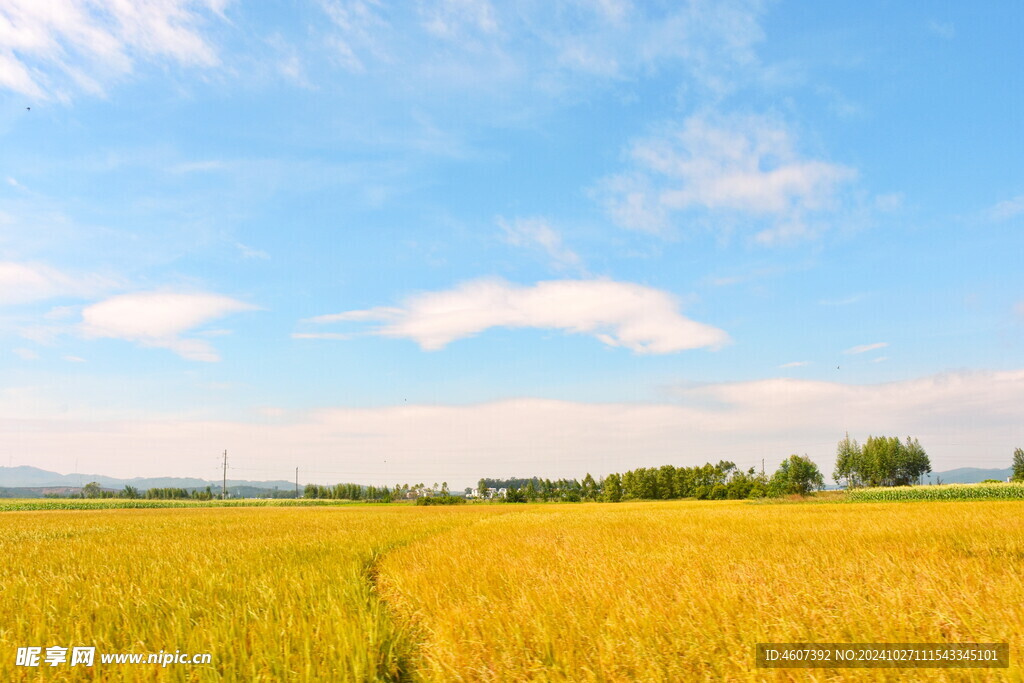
(25, 476)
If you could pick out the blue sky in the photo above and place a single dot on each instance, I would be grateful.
(457, 238)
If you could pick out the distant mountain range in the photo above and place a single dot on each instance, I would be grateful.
(971, 475)
(33, 477)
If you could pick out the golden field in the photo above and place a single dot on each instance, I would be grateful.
(632, 591)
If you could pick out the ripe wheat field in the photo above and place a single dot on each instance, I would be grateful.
(671, 591)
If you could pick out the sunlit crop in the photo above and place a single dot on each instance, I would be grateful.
(683, 591)
(672, 591)
(990, 491)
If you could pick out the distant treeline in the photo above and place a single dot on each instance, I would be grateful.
(721, 481)
(374, 494)
(881, 461)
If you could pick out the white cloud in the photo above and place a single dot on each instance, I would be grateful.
(537, 233)
(962, 419)
(26, 282)
(26, 354)
(1007, 209)
(796, 364)
(639, 318)
(158, 319)
(59, 47)
(866, 347)
(745, 166)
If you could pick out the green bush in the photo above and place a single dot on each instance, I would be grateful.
(440, 500)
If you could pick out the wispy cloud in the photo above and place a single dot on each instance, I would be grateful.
(889, 202)
(942, 29)
(56, 49)
(639, 318)
(207, 166)
(537, 233)
(744, 166)
(248, 252)
(1007, 209)
(458, 20)
(548, 47)
(337, 336)
(26, 282)
(796, 364)
(843, 301)
(865, 348)
(26, 354)
(159, 319)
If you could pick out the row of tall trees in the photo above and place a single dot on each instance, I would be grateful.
(94, 490)
(171, 493)
(881, 461)
(380, 494)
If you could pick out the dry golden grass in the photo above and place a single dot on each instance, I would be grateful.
(682, 591)
(673, 591)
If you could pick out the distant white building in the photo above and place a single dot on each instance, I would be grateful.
(491, 493)
(422, 492)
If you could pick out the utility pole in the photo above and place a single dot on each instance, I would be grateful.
(296, 482)
(762, 467)
(224, 483)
